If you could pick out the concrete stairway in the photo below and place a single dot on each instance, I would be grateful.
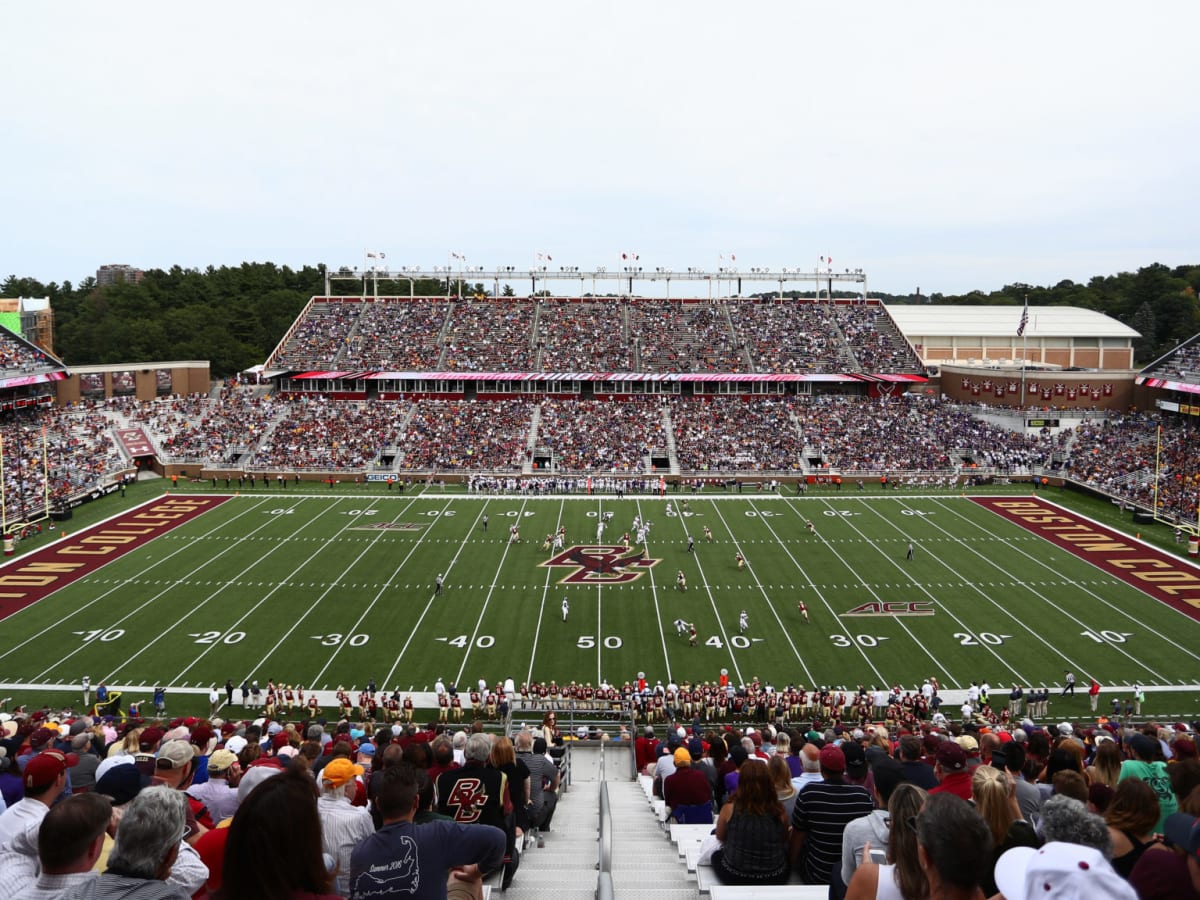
(646, 865)
(565, 868)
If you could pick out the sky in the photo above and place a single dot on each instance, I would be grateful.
(946, 146)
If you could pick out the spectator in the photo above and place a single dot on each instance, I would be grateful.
(403, 859)
(1146, 764)
(1066, 820)
(954, 846)
(219, 792)
(70, 841)
(952, 773)
(343, 825)
(543, 785)
(1131, 817)
(144, 852)
(903, 869)
(687, 786)
(1067, 871)
(873, 828)
(995, 797)
(45, 779)
(823, 809)
(781, 778)
(516, 774)
(754, 833)
(274, 847)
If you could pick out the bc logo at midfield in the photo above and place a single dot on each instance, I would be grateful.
(601, 564)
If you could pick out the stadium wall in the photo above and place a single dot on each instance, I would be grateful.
(143, 381)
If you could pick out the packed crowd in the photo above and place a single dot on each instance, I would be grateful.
(457, 434)
(321, 434)
(790, 337)
(935, 810)
(583, 337)
(556, 334)
(395, 335)
(489, 336)
(726, 434)
(92, 807)
(1121, 454)
(319, 336)
(673, 336)
(906, 434)
(874, 339)
(51, 455)
(16, 355)
(199, 429)
(594, 436)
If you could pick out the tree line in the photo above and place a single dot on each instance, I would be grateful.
(234, 316)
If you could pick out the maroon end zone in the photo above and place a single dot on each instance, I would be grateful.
(26, 580)
(1164, 577)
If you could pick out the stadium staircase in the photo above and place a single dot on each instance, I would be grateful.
(535, 421)
(643, 863)
(669, 437)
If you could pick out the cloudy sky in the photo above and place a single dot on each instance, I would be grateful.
(946, 145)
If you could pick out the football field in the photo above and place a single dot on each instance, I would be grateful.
(322, 591)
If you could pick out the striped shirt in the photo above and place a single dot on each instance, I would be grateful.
(823, 809)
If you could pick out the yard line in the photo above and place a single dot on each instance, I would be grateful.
(537, 629)
(170, 586)
(351, 522)
(332, 585)
(658, 611)
(57, 626)
(1090, 593)
(428, 603)
(346, 637)
(783, 629)
(817, 590)
(873, 545)
(488, 598)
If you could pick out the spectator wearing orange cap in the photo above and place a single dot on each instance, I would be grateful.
(343, 825)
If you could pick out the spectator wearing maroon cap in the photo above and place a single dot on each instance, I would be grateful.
(39, 739)
(951, 769)
(822, 811)
(45, 779)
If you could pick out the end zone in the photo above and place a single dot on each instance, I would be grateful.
(27, 580)
(1166, 578)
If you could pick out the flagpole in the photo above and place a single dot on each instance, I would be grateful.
(1023, 329)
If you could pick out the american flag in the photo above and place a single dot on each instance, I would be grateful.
(1024, 320)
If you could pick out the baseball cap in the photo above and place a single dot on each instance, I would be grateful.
(696, 748)
(149, 737)
(174, 755)
(339, 772)
(856, 758)
(950, 756)
(221, 760)
(43, 769)
(236, 744)
(122, 783)
(683, 757)
(41, 737)
(833, 759)
(366, 748)
(969, 744)
(1183, 830)
(255, 776)
(1066, 728)
(1060, 870)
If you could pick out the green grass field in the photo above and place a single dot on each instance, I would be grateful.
(318, 590)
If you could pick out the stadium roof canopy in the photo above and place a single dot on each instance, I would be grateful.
(929, 320)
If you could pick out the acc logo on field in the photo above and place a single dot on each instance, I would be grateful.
(897, 608)
(601, 564)
(387, 526)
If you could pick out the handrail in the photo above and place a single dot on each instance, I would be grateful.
(604, 885)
